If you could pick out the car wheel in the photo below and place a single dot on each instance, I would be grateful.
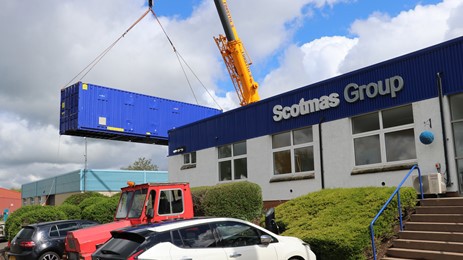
(50, 256)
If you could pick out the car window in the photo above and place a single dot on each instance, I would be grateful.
(235, 234)
(25, 233)
(65, 227)
(53, 231)
(87, 224)
(200, 236)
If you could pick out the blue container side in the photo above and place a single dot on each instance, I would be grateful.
(418, 69)
(100, 112)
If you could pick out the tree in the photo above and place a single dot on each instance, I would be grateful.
(142, 164)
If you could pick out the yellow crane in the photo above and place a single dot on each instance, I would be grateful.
(235, 57)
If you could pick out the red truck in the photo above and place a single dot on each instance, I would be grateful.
(138, 204)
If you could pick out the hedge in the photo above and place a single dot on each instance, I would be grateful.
(102, 211)
(238, 199)
(71, 211)
(76, 199)
(335, 222)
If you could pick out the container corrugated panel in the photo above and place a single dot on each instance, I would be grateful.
(100, 112)
(418, 70)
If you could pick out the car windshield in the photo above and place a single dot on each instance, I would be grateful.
(131, 204)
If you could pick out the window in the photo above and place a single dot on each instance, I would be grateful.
(170, 202)
(65, 227)
(131, 204)
(233, 163)
(189, 158)
(235, 234)
(189, 161)
(199, 236)
(293, 151)
(384, 136)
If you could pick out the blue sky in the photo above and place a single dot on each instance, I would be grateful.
(328, 20)
(292, 43)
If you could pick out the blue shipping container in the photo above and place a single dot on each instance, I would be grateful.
(100, 112)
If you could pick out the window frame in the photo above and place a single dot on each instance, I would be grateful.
(382, 132)
(232, 158)
(292, 151)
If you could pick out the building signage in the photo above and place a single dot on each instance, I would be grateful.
(352, 93)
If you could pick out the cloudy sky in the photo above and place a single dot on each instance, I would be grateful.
(45, 44)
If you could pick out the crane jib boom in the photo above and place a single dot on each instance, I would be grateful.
(235, 57)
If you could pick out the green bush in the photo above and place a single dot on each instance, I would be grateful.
(335, 222)
(238, 199)
(90, 201)
(71, 211)
(29, 215)
(76, 199)
(102, 211)
(198, 194)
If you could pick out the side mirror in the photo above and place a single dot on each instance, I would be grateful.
(270, 223)
(265, 239)
(150, 213)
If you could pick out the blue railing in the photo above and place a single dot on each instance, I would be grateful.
(396, 192)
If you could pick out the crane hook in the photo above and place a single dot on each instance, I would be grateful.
(150, 3)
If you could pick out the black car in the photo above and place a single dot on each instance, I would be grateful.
(45, 240)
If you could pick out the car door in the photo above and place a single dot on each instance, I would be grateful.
(196, 243)
(242, 242)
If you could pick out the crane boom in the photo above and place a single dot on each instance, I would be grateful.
(235, 57)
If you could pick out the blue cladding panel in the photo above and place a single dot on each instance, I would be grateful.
(418, 71)
(108, 180)
(101, 112)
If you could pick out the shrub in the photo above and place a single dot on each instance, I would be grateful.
(71, 211)
(238, 199)
(90, 201)
(31, 214)
(102, 211)
(335, 222)
(198, 194)
(76, 199)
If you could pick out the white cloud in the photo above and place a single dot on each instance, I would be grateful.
(381, 37)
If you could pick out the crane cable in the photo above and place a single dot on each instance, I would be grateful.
(179, 56)
(95, 61)
(98, 58)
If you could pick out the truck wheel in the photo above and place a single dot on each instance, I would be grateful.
(50, 256)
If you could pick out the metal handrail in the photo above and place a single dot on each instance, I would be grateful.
(397, 191)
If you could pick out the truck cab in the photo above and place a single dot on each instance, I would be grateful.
(138, 204)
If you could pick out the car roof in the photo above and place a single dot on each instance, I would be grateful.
(175, 224)
(191, 222)
(40, 224)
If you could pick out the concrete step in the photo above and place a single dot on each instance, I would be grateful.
(443, 246)
(434, 226)
(439, 210)
(442, 218)
(453, 201)
(423, 254)
(436, 236)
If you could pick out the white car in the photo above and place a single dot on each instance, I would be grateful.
(202, 239)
